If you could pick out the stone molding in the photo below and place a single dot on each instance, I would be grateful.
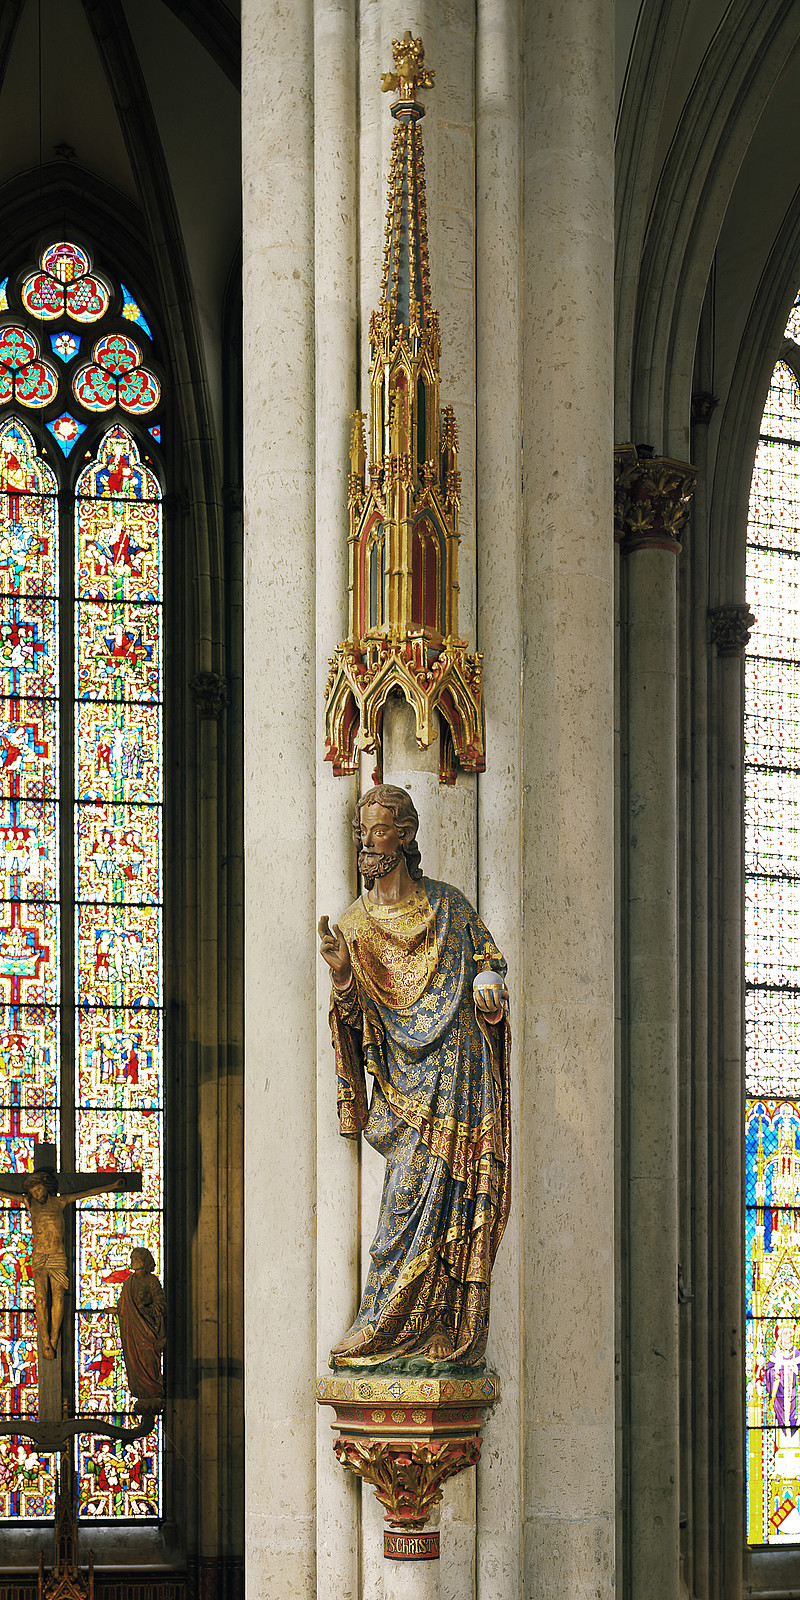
(730, 628)
(652, 499)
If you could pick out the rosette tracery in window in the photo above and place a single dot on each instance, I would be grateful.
(23, 376)
(65, 287)
(116, 377)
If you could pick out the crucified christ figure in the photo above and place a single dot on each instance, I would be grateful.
(49, 1259)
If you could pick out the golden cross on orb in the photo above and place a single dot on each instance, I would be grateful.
(409, 74)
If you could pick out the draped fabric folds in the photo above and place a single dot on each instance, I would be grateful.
(142, 1325)
(439, 1115)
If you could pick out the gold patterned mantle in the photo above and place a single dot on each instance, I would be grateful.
(406, 1436)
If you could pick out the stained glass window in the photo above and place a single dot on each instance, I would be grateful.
(131, 311)
(23, 377)
(116, 377)
(30, 971)
(81, 968)
(772, 944)
(64, 286)
(792, 330)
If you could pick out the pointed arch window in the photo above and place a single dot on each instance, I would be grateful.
(81, 831)
(772, 968)
(376, 558)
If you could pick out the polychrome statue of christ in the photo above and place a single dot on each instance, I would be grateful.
(419, 1003)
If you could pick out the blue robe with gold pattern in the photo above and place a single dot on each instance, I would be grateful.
(439, 1115)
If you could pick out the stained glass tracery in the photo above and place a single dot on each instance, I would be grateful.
(66, 431)
(23, 376)
(118, 831)
(116, 377)
(132, 313)
(112, 629)
(792, 329)
(772, 931)
(64, 286)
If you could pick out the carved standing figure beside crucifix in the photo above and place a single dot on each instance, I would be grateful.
(46, 1194)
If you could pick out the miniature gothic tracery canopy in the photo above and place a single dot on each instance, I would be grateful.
(404, 500)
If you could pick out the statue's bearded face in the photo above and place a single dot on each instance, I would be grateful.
(381, 843)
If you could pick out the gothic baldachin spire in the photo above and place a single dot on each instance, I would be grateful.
(404, 497)
(405, 283)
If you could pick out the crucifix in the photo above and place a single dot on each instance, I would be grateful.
(46, 1194)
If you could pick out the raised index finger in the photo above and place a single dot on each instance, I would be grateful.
(324, 929)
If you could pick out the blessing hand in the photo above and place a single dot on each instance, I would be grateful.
(333, 949)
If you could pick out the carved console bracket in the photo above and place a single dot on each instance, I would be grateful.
(704, 404)
(652, 498)
(210, 692)
(730, 628)
(406, 1436)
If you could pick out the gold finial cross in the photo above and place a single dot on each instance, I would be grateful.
(409, 74)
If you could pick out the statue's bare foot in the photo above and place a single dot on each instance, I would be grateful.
(439, 1349)
(351, 1342)
(47, 1350)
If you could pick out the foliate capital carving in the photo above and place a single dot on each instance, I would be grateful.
(406, 1436)
(625, 463)
(407, 1477)
(652, 499)
(210, 693)
(730, 628)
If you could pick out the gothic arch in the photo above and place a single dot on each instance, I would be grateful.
(729, 94)
(759, 349)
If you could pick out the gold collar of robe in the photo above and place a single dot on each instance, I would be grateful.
(393, 948)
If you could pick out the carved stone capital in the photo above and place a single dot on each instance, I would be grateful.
(652, 497)
(210, 693)
(625, 462)
(730, 628)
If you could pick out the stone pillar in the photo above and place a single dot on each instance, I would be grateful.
(652, 1075)
(335, 275)
(567, 1073)
(730, 632)
(280, 750)
(412, 1580)
(657, 506)
(499, 636)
